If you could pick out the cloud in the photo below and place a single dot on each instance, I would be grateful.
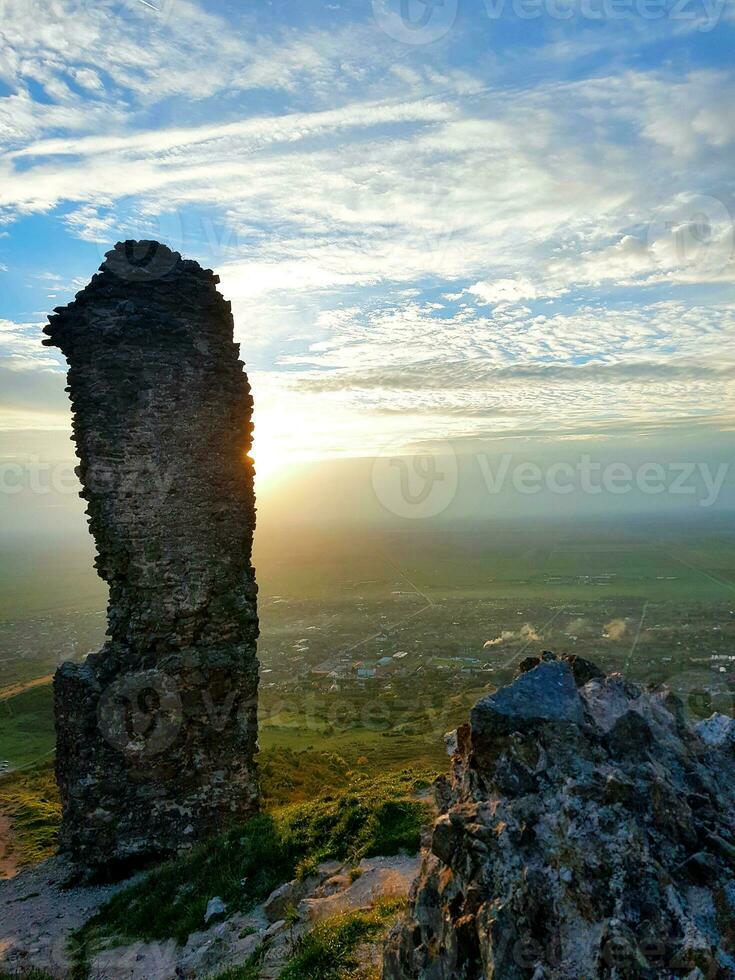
(412, 244)
(402, 189)
(504, 290)
(137, 53)
(21, 350)
(252, 134)
(441, 376)
(600, 371)
(690, 239)
(32, 380)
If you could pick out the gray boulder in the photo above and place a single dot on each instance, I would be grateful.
(587, 831)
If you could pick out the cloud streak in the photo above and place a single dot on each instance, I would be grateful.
(425, 241)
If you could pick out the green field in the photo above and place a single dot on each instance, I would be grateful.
(463, 606)
(27, 727)
(437, 594)
(565, 562)
(27, 736)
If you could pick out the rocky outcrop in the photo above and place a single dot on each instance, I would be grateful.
(587, 830)
(156, 733)
(271, 931)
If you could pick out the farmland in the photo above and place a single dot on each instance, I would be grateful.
(375, 643)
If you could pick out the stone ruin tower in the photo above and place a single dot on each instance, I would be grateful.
(157, 732)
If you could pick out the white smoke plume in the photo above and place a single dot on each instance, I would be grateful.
(615, 629)
(526, 634)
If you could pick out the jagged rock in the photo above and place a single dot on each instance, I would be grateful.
(286, 898)
(717, 730)
(216, 908)
(588, 831)
(230, 943)
(156, 733)
(377, 878)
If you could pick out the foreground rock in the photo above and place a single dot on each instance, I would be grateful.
(157, 732)
(270, 930)
(38, 915)
(587, 830)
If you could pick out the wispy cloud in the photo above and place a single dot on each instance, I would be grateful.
(438, 240)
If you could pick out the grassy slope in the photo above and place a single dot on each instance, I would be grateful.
(30, 799)
(372, 816)
(350, 814)
(328, 952)
(27, 726)
(287, 774)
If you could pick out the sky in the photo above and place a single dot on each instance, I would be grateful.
(460, 222)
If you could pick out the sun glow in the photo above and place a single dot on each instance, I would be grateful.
(269, 463)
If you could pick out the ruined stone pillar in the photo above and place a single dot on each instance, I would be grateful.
(156, 732)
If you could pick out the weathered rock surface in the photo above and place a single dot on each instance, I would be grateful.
(156, 732)
(331, 890)
(587, 830)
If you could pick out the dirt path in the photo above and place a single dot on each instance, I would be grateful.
(14, 689)
(8, 865)
(37, 913)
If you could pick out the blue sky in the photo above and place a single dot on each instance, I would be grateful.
(464, 221)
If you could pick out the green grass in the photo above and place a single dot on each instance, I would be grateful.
(29, 797)
(328, 952)
(31, 800)
(295, 760)
(242, 866)
(298, 765)
(27, 726)
(288, 775)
